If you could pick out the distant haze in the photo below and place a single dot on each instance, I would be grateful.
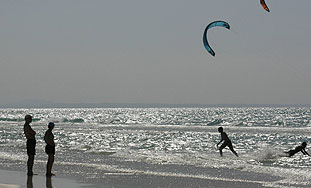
(142, 51)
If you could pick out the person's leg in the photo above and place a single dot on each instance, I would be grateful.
(231, 148)
(234, 152)
(31, 152)
(30, 164)
(291, 153)
(49, 165)
(221, 148)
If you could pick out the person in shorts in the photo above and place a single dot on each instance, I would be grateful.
(49, 149)
(30, 144)
(226, 142)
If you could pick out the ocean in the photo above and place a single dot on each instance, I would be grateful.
(95, 143)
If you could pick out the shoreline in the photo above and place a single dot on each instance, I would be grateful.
(17, 179)
(109, 179)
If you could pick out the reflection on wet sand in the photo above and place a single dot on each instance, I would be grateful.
(49, 182)
(29, 182)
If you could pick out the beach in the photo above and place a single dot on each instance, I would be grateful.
(155, 94)
(18, 179)
(159, 147)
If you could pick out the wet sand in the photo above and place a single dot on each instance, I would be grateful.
(210, 178)
(17, 179)
(9, 186)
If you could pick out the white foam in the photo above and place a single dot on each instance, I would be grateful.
(12, 156)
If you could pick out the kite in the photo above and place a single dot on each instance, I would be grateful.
(264, 5)
(213, 24)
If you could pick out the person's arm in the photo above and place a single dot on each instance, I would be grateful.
(220, 141)
(305, 152)
(48, 138)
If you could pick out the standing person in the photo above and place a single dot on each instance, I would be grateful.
(49, 149)
(297, 149)
(31, 144)
(227, 142)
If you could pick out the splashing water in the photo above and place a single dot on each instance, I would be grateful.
(136, 140)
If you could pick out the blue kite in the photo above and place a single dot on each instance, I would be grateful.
(213, 24)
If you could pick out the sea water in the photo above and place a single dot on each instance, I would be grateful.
(96, 142)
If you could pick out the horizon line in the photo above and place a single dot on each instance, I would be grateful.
(139, 105)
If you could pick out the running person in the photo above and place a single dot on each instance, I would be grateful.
(226, 142)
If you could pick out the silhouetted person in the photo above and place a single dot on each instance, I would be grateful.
(297, 149)
(31, 144)
(227, 142)
(49, 149)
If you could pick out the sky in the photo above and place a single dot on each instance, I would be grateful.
(147, 51)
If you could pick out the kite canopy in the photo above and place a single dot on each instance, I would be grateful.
(264, 5)
(213, 24)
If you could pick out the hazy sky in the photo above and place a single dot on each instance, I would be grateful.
(151, 51)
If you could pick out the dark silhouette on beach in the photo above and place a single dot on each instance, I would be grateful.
(226, 142)
(49, 149)
(297, 149)
(31, 144)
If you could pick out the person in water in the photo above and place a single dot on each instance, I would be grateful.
(30, 144)
(226, 142)
(49, 149)
(297, 149)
